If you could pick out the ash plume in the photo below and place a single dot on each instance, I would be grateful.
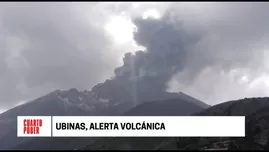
(150, 70)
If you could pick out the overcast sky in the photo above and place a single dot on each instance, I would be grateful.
(220, 50)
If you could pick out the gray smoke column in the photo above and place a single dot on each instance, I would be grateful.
(150, 70)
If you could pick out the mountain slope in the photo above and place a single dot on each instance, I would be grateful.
(107, 98)
(256, 111)
(57, 103)
(172, 107)
(48, 105)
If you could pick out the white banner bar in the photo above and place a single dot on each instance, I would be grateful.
(134, 126)
(148, 126)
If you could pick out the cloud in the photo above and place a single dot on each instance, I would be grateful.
(48, 46)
